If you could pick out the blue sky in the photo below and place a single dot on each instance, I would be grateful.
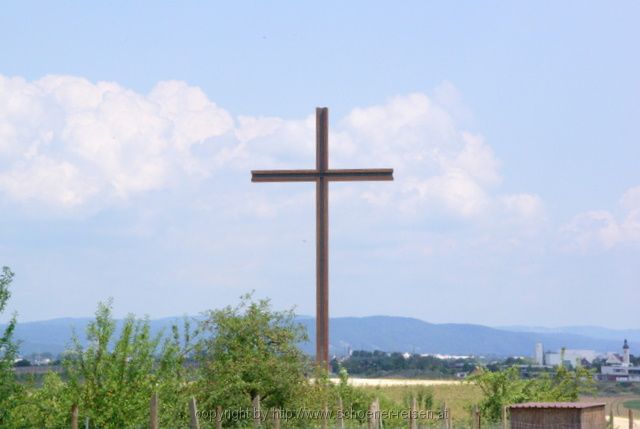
(127, 133)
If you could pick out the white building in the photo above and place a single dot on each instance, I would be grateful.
(539, 354)
(569, 357)
(619, 368)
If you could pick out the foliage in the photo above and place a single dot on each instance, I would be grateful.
(353, 399)
(501, 388)
(378, 363)
(112, 379)
(250, 351)
(10, 391)
(423, 396)
(324, 392)
(507, 363)
(47, 406)
(457, 396)
(244, 352)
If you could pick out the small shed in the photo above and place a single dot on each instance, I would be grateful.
(558, 415)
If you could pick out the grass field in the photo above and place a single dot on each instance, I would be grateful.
(618, 404)
(459, 397)
(634, 404)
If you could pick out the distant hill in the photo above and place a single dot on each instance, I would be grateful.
(412, 335)
(54, 336)
(587, 331)
(386, 333)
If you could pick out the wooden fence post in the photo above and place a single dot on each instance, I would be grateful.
(340, 415)
(445, 414)
(219, 417)
(370, 417)
(413, 424)
(611, 425)
(630, 418)
(256, 411)
(153, 411)
(74, 416)
(504, 418)
(325, 416)
(374, 414)
(276, 418)
(193, 412)
(476, 417)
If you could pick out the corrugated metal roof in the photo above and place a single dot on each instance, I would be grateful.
(558, 405)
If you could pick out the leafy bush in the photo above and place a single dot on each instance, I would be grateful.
(113, 385)
(249, 352)
(10, 391)
(502, 388)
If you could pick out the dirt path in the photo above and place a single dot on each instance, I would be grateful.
(623, 423)
(384, 382)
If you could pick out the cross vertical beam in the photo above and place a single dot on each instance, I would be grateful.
(322, 237)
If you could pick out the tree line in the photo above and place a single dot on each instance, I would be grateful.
(380, 364)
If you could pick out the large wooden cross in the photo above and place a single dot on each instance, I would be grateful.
(322, 175)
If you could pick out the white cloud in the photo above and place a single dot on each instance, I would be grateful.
(594, 227)
(477, 160)
(439, 168)
(631, 223)
(66, 142)
(452, 190)
(631, 199)
(527, 208)
(604, 229)
(55, 182)
(448, 96)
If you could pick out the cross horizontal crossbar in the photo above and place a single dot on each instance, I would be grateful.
(340, 175)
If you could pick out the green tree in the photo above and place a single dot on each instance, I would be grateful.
(9, 389)
(112, 379)
(355, 402)
(499, 388)
(250, 351)
(502, 388)
(562, 386)
(46, 407)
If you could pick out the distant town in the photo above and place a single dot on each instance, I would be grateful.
(610, 366)
(607, 366)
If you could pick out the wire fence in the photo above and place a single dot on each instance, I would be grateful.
(375, 418)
